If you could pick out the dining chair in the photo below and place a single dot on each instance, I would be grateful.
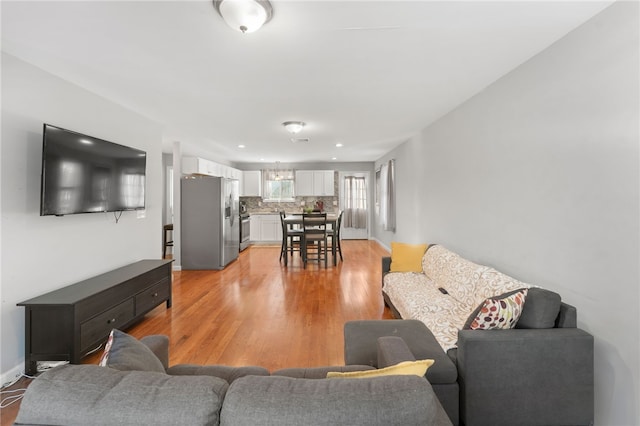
(291, 239)
(166, 242)
(334, 236)
(315, 237)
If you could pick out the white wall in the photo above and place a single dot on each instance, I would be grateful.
(538, 175)
(40, 254)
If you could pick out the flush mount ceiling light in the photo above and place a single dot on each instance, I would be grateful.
(245, 16)
(293, 127)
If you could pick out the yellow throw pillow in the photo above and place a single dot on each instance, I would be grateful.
(407, 257)
(418, 368)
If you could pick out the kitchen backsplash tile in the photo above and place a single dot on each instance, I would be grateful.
(256, 205)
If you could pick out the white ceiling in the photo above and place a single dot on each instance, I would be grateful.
(367, 74)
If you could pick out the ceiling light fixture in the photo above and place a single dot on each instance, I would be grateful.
(294, 127)
(245, 16)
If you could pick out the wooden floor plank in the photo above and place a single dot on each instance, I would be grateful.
(258, 312)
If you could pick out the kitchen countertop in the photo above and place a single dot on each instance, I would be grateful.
(277, 212)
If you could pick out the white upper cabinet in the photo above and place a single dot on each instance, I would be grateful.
(304, 182)
(194, 165)
(314, 183)
(202, 166)
(252, 183)
(323, 183)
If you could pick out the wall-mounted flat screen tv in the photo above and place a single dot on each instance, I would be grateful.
(84, 174)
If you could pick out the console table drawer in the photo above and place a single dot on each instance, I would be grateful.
(94, 330)
(153, 296)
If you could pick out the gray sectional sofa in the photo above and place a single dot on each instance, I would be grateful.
(539, 372)
(137, 387)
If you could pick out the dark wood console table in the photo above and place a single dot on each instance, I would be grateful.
(71, 322)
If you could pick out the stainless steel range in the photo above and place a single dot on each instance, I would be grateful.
(245, 233)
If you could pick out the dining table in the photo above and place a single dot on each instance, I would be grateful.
(295, 219)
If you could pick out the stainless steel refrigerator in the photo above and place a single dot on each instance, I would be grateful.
(210, 234)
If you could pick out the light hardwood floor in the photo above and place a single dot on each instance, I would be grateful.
(257, 312)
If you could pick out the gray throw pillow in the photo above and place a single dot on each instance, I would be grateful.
(124, 352)
(540, 310)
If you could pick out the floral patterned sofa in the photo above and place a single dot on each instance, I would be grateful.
(519, 356)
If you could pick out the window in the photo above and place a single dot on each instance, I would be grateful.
(278, 185)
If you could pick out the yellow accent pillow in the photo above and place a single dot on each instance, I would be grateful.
(407, 257)
(418, 368)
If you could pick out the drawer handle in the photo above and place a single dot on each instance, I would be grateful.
(155, 294)
(111, 321)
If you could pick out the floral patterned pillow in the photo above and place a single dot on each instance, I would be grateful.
(499, 312)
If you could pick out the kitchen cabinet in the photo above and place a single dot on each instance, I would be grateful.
(254, 227)
(265, 227)
(252, 183)
(323, 183)
(304, 182)
(236, 174)
(202, 166)
(270, 228)
(314, 183)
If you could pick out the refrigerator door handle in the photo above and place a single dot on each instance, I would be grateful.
(229, 210)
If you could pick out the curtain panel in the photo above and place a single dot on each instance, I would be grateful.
(391, 197)
(355, 202)
(382, 216)
(387, 216)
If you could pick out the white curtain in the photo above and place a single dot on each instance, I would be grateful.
(382, 215)
(388, 196)
(391, 195)
(355, 202)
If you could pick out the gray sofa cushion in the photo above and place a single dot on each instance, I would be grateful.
(540, 310)
(361, 338)
(393, 350)
(159, 345)
(227, 373)
(89, 394)
(391, 400)
(318, 372)
(124, 352)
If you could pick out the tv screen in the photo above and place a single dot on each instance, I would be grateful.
(83, 174)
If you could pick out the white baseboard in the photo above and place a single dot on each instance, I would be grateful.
(380, 243)
(11, 375)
